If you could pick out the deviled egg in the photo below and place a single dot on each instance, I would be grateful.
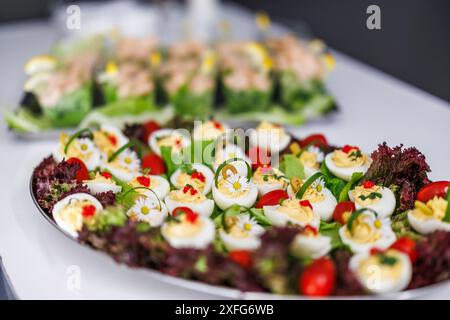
(69, 212)
(311, 158)
(102, 182)
(197, 175)
(428, 217)
(364, 231)
(267, 178)
(270, 137)
(191, 198)
(310, 243)
(168, 138)
(189, 230)
(242, 233)
(369, 195)
(81, 148)
(230, 151)
(294, 211)
(149, 209)
(209, 130)
(343, 163)
(158, 184)
(109, 139)
(125, 166)
(382, 272)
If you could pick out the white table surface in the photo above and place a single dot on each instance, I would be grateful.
(374, 108)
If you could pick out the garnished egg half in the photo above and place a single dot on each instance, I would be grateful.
(270, 137)
(242, 233)
(293, 211)
(191, 198)
(230, 151)
(69, 212)
(311, 158)
(197, 175)
(367, 232)
(189, 231)
(233, 188)
(157, 184)
(109, 139)
(378, 198)
(39, 64)
(428, 217)
(168, 138)
(81, 148)
(382, 272)
(125, 166)
(343, 163)
(209, 130)
(149, 209)
(267, 178)
(102, 182)
(320, 197)
(310, 243)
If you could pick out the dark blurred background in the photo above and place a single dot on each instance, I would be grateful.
(413, 44)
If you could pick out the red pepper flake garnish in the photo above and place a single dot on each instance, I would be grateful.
(188, 188)
(374, 251)
(305, 203)
(198, 175)
(88, 211)
(310, 230)
(217, 125)
(143, 181)
(112, 139)
(347, 148)
(106, 175)
(178, 143)
(368, 184)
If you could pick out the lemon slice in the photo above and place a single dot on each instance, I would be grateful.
(38, 64)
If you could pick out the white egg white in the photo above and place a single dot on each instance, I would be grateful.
(122, 175)
(224, 201)
(153, 139)
(281, 219)
(344, 173)
(154, 218)
(67, 226)
(324, 208)
(91, 162)
(199, 241)
(238, 243)
(309, 171)
(313, 247)
(232, 151)
(209, 177)
(162, 189)
(427, 226)
(266, 140)
(374, 283)
(115, 132)
(384, 206)
(204, 208)
(96, 186)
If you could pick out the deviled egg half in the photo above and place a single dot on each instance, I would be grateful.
(364, 231)
(125, 166)
(232, 188)
(270, 137)
(209, 130)
(191, 198)
(292, 211)
(343, 163)
(168, 138)
(322, 200)
(158, 184)
(102, 182)
(242, 233)
(148, 208)
(369, 195)
(231, 151)
(187, 229)
(109, 139)
(382, 272)
(310, 243)
(311, 158)
(81, 148)
(69, 212)
(267, 178)
(428, 217)
(197, 175)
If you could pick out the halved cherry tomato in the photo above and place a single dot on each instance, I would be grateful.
(437, 188)
(191, 216)
(407, 246)
(241, 257)
(318, 279)
(82, 173)
(317, 140)
(153, 162)
(259, 157)
(272, 198)
(341, 209)
(150, 127)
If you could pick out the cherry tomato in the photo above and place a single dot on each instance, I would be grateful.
(82, 173)
(259, 157)
(318, 279)
(317, 140)
(437, 188)
(241, 257)
(150, 127)
(407, 246)
(153, 162)
(341, 209)
(272, 198)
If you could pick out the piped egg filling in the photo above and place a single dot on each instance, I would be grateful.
(210, 130)
(428, 217)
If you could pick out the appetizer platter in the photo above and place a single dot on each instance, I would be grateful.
(256, 210)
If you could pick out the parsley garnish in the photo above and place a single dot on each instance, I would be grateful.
(372, 195)
(387, 260)
(354, 155)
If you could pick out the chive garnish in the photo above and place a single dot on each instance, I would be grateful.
(149, 189)
(123, 148)
(307, 184)
(226, 162)
(355, 215)
(75, 136)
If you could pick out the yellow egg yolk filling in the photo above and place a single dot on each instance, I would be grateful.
(348, 160)
(295, 211)
(433, 209)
